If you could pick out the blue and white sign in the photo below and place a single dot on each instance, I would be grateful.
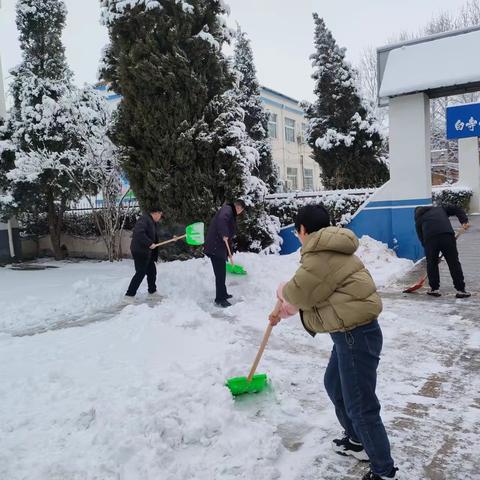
(463, 121)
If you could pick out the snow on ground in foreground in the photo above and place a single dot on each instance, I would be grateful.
(138, 393)
(55, 297)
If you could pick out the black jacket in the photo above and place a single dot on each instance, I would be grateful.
(144, 234)
(222, 225)
(432, 221)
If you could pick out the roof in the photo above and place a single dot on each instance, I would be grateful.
(440, 65)
(280, 95)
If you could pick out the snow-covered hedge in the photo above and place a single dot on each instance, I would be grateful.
(341, 204)
(452, 195)
(77, 224)
(82, 224)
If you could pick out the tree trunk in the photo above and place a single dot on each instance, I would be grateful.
(55, 222)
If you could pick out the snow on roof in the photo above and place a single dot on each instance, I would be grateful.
(433, 63)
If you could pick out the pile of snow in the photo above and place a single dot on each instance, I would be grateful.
(138, 392)
(383, 263)
(75, 292)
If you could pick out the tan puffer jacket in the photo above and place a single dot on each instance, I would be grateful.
(332, 287)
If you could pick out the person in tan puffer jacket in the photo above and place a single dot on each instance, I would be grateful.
(335, 294)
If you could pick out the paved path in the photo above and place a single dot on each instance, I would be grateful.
(469, 249)
(442, 419)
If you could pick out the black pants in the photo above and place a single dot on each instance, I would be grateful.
(446, 244)
(219, 269)
(143, 266)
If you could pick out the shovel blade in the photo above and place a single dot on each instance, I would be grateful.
(195, 234)
(241, 385)
(236, 269)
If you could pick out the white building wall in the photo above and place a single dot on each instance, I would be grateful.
(287, 154)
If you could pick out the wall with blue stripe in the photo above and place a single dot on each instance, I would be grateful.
(390, 222)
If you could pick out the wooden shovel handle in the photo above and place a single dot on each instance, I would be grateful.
(266, 336)
(174, 239)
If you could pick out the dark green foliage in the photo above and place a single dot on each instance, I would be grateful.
(256, 118)
(167, 76)
(342, 132)
(179, 124)
(453, 196)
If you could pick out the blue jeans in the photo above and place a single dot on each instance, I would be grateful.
(350, 381)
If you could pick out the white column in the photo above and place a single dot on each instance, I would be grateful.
(410, 165)
(469, 169)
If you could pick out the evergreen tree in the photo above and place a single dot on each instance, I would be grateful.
(181, 133)
(342, 131)
(38, 124)
(165, 61)
(257, 228)
(256, 118)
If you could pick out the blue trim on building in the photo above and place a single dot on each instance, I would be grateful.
(393, 226)
(279, 95)
(101, 87)
(400, 203)
(281, 105)
(114, 96)
(290, 242)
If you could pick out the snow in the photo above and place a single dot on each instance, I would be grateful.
(382, 262)
(112, 10)
(208, 37)
(137, 392)
(332, 138)
(433, 64)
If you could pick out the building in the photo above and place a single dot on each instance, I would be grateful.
(286, 128)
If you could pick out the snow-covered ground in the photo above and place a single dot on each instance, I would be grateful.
(91, 389)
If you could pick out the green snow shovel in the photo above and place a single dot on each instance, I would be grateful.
(194, 235)
(253, 383)
(235, 269)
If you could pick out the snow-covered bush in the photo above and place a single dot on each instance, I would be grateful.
(452, 195)
(82, 224)
(340, 205)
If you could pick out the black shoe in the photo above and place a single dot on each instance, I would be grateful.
(229, 296)
(344, 446)
(463, 294)
(373, 476)
(434, 293)
(223, 304)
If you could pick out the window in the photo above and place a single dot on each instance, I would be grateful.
(272, 125)
(289, 130)
(292, 179)
(304, 132)
(308, 179)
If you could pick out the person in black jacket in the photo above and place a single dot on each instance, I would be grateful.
(218, 246)
(144, 253)
(437, 236)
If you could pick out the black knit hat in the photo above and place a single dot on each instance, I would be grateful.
(313, 218)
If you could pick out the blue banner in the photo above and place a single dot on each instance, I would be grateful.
(463, 121)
